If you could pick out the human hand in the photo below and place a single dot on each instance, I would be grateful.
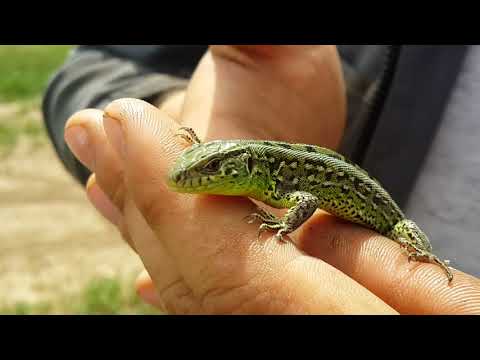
(204, 258)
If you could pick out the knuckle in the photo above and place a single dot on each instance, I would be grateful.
(177, 298)
(260, 293)
(126, 107)
(225, 288)
(229, 299)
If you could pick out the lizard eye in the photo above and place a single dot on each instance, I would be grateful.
(213, 165)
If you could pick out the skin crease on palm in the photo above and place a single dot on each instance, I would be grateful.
(201, 256)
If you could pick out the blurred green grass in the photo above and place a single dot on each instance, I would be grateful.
(21, 119)
(24, 74)
(102, 296)
(26, 69)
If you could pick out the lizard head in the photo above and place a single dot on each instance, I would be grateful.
(217, 167)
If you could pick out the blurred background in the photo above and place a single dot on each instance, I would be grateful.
(57, 255)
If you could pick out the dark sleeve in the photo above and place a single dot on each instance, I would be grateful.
(363, 65)
(93, 76)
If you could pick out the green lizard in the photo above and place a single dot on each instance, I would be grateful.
(299, 177)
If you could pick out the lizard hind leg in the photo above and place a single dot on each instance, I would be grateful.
(417, 245)
(406, 232)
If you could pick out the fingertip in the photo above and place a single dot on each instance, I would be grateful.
(139, 112)
(146, 290)
(90, 182)
(80, 117)
(144, 127)
(80, 144)
(143, 280)
(129, 111)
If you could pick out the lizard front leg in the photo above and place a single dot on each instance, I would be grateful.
(263, 215)
(302, 206)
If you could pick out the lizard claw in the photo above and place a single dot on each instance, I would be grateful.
(444, 265)
(411, 257)
(190, 135)
(279, 238)
(250, 219)
(261, 229)
(425, 256)
(253, 217)
(263, 216)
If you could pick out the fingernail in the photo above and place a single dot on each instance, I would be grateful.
(102, 203)
(150, 296)
(115, 135)
(146, 290)
(77, 140)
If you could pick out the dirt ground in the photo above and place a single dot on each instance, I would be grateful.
(52, 242)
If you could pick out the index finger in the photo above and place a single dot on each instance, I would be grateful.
(379, 264)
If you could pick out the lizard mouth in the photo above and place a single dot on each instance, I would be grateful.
(180, 181)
